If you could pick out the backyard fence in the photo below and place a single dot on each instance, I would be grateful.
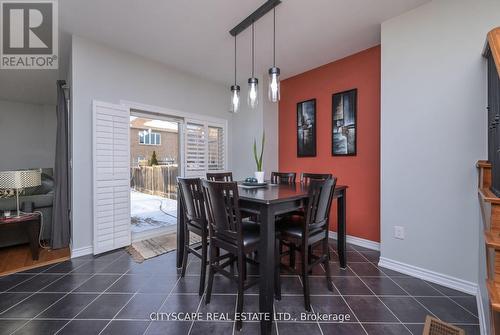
(157, 180)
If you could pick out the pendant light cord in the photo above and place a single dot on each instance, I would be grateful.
(234, 60)
(253, 51)
(274, 37)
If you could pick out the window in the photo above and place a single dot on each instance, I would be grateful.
(195, 148)
(205, 148)
(149, 138)
(215, 148)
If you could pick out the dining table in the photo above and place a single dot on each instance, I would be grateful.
(268, 202)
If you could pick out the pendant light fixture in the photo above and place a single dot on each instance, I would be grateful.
(253, 83)
(235, 89)
(273, 91)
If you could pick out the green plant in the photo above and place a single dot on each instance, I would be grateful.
(258, 158)
(153, 161)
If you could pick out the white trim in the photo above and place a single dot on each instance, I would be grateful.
(481, 313)
(88, 250)
(431, 276)
(372, 245)
(170, 112)
(184, 117)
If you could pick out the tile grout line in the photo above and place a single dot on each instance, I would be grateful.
(348, 306)
(39, 291)
(98, 294)
(410, 295)
(168, 295)
(116, 314)
(450, 298)
(383, 303)
(197, 310)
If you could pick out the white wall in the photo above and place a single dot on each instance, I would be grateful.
(27, 135)
(248, 124)
(101, 73)
(433, 132)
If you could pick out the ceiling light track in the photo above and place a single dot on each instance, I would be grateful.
(255, 16)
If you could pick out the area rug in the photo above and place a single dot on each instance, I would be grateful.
(156, 246)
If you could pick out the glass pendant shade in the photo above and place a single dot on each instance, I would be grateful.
(274, 84)
(253, 88)
(235, 98)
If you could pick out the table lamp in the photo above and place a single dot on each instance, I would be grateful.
(19, 180)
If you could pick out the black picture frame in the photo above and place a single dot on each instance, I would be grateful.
(306, 128)
(344, 123)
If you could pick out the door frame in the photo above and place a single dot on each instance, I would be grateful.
(185, 116)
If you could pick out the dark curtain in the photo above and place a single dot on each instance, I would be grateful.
(60, 217)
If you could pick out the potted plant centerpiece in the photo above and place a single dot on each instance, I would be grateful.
(259, 174)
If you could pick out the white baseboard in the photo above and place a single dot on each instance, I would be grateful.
(431, 276)
(77, 252)
(357, 241)
(481, 313)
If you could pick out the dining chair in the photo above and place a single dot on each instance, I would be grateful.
(283, 177)
(192, 203)
(220, 176)
(229, 232)
(306, 177)
(302, 233)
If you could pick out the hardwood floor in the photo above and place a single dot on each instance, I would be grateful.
(18, 258)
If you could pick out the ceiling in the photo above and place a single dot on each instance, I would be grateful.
(192, 35)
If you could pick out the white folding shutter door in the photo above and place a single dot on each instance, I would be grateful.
(196, 149)
(216, 148)
(111, 181)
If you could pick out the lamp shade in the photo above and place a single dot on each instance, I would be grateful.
(20, 179)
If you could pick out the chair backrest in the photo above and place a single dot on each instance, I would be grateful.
(221, 176)
(223, 211)
(307, 177)
(191, 197)
(317, 209)
(283, 177)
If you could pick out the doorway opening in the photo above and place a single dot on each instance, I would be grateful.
(155, 166)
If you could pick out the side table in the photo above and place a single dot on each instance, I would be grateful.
(30, 224)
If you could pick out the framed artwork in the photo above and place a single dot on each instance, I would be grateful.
(306, 128)
(344, 106)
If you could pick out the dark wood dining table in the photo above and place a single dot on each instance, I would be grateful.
(268, 202)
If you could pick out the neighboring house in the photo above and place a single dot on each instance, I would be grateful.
(148, 135)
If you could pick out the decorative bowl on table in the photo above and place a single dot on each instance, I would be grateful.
(251, 181)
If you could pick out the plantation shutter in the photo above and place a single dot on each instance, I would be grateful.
(196, 143)
(205, 148)
(111, 176)
(215, 148)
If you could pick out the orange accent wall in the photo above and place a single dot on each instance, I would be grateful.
(361, 172)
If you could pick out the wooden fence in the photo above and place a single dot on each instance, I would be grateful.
(157, 180)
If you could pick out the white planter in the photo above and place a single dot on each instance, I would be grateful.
(259, 175)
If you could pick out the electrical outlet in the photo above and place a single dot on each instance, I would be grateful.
(399, 232)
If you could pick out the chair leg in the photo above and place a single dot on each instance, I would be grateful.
(309, 254)
(186, 254)
(244, 267)
(241, 280)
(292, 255)
(305, 278)
(203, 271)
(213, 255)
(277, 275)
(326, 255)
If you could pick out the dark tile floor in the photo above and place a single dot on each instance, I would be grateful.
(112, 294)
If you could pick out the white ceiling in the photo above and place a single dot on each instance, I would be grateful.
(192, 35)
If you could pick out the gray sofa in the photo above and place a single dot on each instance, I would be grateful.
(42, 198)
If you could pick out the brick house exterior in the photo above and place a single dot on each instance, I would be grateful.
(166, 151)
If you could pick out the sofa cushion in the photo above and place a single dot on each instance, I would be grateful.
(47, 186)
(39, 201)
